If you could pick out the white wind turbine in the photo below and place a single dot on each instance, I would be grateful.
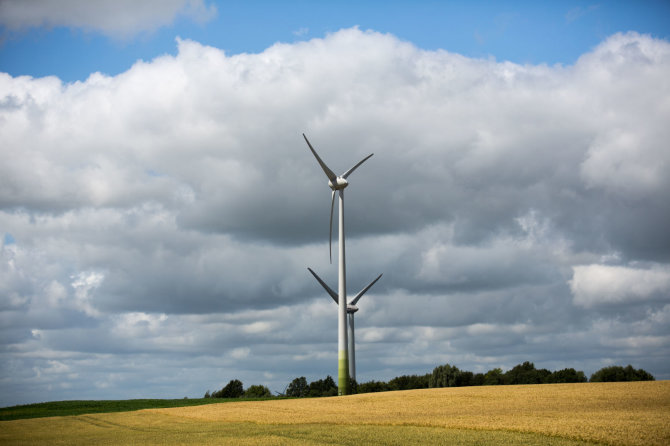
(338, 183)
(351, 309)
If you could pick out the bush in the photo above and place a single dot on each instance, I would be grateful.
(617, 373)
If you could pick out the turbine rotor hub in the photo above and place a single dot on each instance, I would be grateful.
(340, 183)
(351, 308)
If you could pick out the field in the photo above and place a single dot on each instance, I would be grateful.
(635, 413)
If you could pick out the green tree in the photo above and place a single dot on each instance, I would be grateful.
(494, 377)
(478, 379)
(298, 388)
(234, 389)
(373, 386)
(463, 378)
(407, 382)
(641, 375)
(353, 386)
(567, 376)
(618, 373)
(207, 395)
(444, 376)
(526, 373)
(257, 391)
(322, 387)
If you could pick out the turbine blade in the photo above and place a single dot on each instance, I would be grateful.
(361, 292)
(332, 293)
(330, 233)
(329, 173)
(350, 171)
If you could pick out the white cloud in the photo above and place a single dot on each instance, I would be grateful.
(240, 352)
(606, 284)
(84, 283)
(170, 212)
(627, 155)
(301, 31)
(117, 18)
(55, 293)
(138, 324)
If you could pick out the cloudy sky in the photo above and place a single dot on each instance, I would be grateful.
(159, 207)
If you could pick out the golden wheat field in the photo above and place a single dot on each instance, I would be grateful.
(556, 414)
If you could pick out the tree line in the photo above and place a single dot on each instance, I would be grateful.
(442, 376)
(235, 389)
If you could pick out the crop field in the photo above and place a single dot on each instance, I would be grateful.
(635, 413)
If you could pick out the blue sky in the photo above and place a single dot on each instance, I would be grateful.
(157, 218)
(521, 31)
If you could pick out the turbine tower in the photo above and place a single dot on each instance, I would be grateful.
(337, 184)
(351, 309)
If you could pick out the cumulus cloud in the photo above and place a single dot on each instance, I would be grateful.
(116, 18)
(605, 284)
(163, 219)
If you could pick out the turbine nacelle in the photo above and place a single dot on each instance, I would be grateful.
(351, 309)
(340, 183)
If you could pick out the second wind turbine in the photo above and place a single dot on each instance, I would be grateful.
(337, 184)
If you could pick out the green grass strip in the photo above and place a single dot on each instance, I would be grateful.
(64, 408)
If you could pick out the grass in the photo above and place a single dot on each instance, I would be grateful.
(64, 408)
(554, 414)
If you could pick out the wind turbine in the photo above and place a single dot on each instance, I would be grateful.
(338, 183)
(351, 309)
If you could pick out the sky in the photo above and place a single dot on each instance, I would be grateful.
(159, 207)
